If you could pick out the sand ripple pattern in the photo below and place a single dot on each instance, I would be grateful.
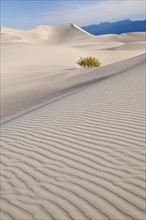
(80, 158)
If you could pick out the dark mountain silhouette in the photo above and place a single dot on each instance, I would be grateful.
(118, 27)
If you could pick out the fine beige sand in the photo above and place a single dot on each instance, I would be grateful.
(73, 140)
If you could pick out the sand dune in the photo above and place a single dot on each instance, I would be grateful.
(47, 34)
(73, 140)
(64, 34)
(125, 38)
(82, 156)
(43, 46)
(130, 46)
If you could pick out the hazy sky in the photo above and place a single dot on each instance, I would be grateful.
(25, 14)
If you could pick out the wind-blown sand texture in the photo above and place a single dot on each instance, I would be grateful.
(73, 140)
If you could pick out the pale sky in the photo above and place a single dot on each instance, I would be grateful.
(26, 14)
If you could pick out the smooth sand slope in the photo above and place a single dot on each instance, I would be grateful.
(73, 140)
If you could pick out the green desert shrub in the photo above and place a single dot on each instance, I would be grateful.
(88, 62)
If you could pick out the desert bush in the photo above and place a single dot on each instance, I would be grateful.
(88, 62)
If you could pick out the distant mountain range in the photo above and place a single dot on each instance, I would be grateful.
(118, 27)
